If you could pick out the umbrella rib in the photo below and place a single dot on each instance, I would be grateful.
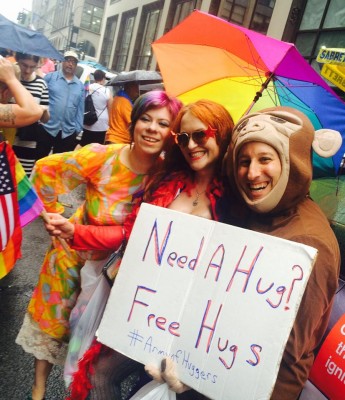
(248, 70)
(253, 58)
(286, 95)
(251, 81)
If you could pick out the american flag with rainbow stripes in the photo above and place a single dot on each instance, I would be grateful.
(19, 205)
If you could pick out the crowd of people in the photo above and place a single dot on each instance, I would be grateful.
(62, 128)
(191, 158)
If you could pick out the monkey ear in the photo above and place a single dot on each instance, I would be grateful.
(326, 142)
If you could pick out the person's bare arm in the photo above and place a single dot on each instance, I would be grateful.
(26, 111)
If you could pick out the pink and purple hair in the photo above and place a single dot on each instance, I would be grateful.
(151, 100)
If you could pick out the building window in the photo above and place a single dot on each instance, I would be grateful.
(253, 14)
(123, 41)
(92, 17)
(179, 10)
(335, 16)
(108, 40)
(323, 24)
(233, 11)
(183, 9)
(62, 15)
(146, 35)
(313, 14)
(261, 16)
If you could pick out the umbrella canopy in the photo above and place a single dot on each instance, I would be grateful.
(23, 40)
(207, 57)
(140, 76)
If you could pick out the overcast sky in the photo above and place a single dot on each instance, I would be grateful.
(10, 9)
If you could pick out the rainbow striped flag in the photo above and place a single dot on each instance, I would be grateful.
(30, 205)
(87, 84)
(19, 205)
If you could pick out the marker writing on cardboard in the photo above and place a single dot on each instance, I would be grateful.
(274, 292)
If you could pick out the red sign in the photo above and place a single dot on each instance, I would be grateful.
(328, 372)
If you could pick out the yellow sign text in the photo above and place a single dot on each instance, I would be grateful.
(334, 74)
(331, 56)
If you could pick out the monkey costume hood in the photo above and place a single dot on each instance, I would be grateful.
(288, 212)
(292, 135)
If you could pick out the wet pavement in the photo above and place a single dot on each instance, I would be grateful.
(16, 366)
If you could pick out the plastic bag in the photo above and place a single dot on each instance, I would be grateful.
(154, 391)
(86, 314)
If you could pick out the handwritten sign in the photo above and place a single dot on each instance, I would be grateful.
(219, 300)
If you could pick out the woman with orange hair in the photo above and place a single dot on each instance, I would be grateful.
(189, 181)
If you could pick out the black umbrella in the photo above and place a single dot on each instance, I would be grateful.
(17, 38)
(139, 75)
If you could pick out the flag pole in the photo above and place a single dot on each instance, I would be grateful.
(63, 242)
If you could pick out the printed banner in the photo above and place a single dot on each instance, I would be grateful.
(331, 56)
(328, 372)
(335, 74)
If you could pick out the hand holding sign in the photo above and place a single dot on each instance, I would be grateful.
(219, 301)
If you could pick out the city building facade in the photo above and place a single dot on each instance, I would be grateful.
(119, 33)
(131, 26)
(312, 24)
(70, 24)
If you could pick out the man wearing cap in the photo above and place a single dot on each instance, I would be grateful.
(66, 98)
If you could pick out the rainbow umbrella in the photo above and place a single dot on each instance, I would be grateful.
(207, 57)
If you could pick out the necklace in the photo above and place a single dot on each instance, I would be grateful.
(196, 201)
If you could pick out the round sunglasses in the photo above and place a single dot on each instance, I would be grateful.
(199, 137)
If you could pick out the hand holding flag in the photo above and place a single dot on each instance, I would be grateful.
(19, 205)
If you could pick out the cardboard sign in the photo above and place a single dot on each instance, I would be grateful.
(219, 300)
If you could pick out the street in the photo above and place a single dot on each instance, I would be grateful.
(16, 366)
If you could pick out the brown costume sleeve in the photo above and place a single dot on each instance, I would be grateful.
(311, 321)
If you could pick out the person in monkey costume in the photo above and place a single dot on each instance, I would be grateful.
(269, 166)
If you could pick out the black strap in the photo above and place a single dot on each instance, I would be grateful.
(105, 106)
